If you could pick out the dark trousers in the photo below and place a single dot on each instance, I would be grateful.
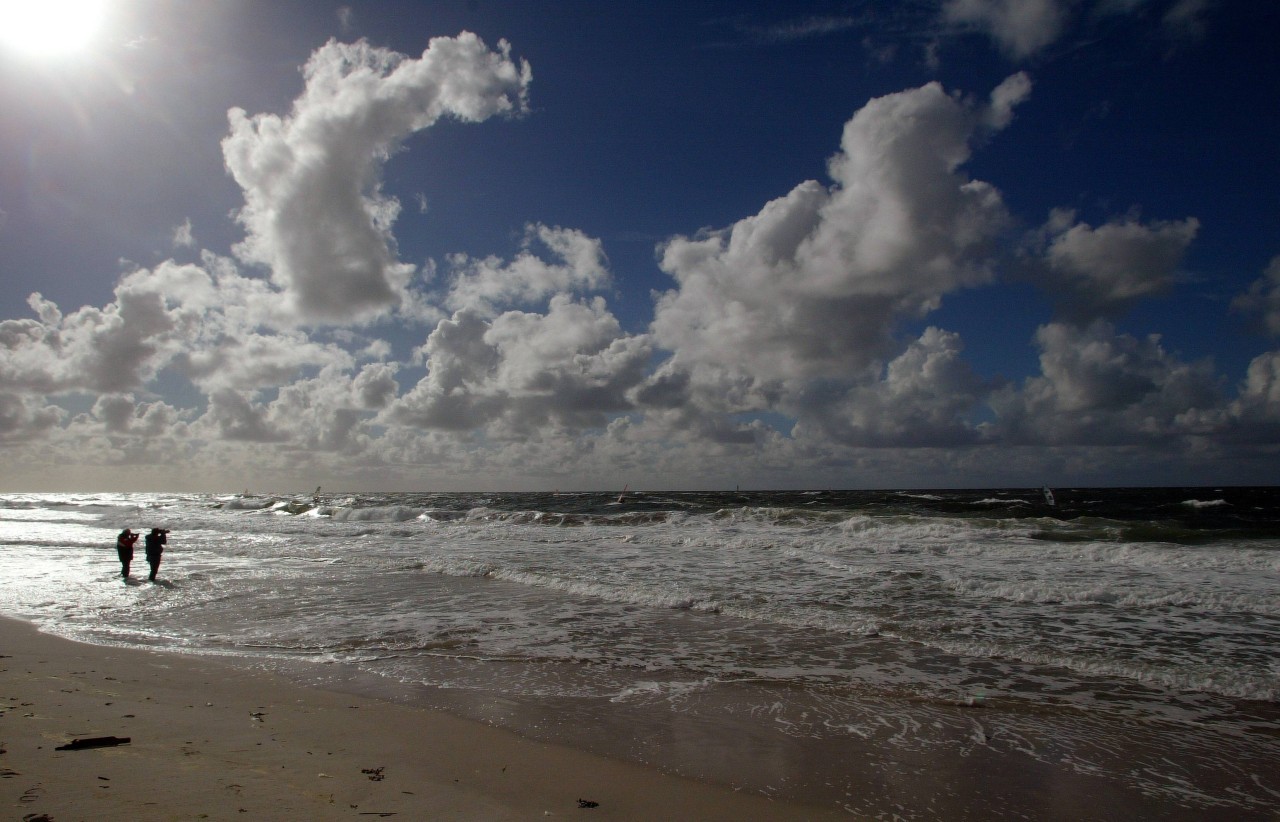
(154, 561)
(126, 556)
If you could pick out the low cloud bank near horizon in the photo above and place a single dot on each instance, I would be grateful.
(778, 353)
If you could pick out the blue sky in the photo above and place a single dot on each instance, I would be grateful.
(510, 245)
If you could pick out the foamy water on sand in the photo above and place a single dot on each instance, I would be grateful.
(1124, 639)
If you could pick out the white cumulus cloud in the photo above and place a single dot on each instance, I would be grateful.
(519, 372)
(24, 417)
(1098, 387)
(924, 399)
(314, 210)
(1099, 272)
(1263, 298)
(489, 283)
(1020, 27)
(815, 283)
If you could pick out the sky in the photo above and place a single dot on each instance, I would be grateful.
(577, 245)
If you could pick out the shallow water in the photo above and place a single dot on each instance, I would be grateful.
(756, 638)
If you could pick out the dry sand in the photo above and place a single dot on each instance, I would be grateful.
(211, 741)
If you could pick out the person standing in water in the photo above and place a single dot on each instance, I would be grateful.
(124, 547)
(155, 547)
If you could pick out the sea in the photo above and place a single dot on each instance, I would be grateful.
(1000, 653)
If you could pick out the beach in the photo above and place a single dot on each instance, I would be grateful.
(213, 741)
(882, 655)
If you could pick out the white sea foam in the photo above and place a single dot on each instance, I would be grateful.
(249, 503)
(390, 513)
(1213, 503)
(1203, 598)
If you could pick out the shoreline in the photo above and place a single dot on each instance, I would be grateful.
(212, 740)
(216, 737)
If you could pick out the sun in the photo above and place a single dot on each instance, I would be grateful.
(49, 28)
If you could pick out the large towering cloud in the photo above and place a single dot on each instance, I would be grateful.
(813, 286)
(314, 211)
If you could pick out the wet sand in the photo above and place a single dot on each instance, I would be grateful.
(211, 738)
(213, 741)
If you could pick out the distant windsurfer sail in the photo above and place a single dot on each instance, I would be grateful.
(623, 496)
(1048, 495)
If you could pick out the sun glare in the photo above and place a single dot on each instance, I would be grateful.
(49, 28)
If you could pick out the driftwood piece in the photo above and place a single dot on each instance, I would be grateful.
(93, 742)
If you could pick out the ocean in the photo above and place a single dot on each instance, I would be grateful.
(978, 648)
